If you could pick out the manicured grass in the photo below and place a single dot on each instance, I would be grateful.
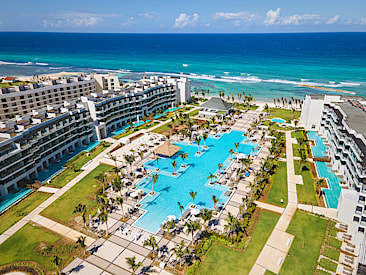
(322, 272)
(20, 247)
(306, 193)
(162, 129)
(332, 232)
(328, 265)
(242, 107)
(11, 84)
(274, 126)
(278, 189)
(129, 131)
(68, 174)
(284, 114)
(269, 273)
(194, 113)
(82, 192)
(333, 242)
(331, 253)
(309, 232)
(223, 260)
(23, 208)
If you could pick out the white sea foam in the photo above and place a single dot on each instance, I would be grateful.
(350, 83)
(23, 63)
(185, 65)
(41, 64)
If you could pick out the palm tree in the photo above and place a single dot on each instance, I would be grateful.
(101, 177)
(205, 136)
(81, 243)
(130, 159)
(157, 162)
(131, 261)
(81, 208)
(169, 225)
(211, 176)
(231, 151)
(179, 250)
(154, 180)
(219, 166)
(233, 225)
(246, 162)
(206, 215)
(215, 201)
(104, 218)
(236, 144)
(192, 227)
(174, 164)
(141, 154)
(184, 155)
(198, 140)
(181, 208)
(151, 243)
(319, 183)
(120, 202)
(57, 262)
(193, 195)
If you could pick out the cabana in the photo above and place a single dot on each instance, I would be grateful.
(167, 149)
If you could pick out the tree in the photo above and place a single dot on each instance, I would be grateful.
(231, 151)
(120, 202)
(179, 250)
(169, 225)
(246, 162)
(198, 140)
(219, 166)
(131, 261)
(319, 183)
(174, 164)
(130, 158)
(205, 136)
(154, 180)
(211, 176)
(183, 156)
(192, 227)
(215, 201)
(141, 154)
(181, 208)
(206, 215)
(236, 144)
(101, 177)
(193, 195)
(57, 262)
(157, 162)
(151, 243)
(233, 225)
(104, 218)
(81, 243)
(81, 208)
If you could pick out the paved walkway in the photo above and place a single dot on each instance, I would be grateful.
(270, 207)
(279, 242)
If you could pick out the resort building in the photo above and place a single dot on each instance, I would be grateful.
(112, 110)
(106, 82)
(215, 106)
(341, 121)
(23, 99)
(29, 144)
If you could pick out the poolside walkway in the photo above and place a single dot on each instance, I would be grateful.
(279, 242)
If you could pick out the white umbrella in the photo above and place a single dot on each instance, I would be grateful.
(241, 156)
(195, 211)
(171, 218)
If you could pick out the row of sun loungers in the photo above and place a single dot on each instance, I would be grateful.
(347, 270)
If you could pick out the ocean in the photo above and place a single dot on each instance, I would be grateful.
(265, 65)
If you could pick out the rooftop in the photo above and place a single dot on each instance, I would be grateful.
(217, 103)
(356, 114)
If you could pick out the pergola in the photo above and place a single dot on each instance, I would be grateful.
(167, 149)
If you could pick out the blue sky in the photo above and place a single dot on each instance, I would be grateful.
(188, 16)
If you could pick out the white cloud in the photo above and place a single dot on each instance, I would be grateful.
(75, 19)
(332, 20)
(153, 15)
(185, 20)
(237, 17)
(272, 17)
(291, 20)
(363, 21)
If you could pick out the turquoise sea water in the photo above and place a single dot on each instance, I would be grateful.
(265, 65)
(170, 189)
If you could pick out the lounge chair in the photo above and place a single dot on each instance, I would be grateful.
(186, 214)
(227, 193)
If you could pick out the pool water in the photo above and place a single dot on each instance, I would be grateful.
(169, 189)
(278, 120)
(319, 150)
(332, 194)
(11, 198)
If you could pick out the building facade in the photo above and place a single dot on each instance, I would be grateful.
(30, 143)
(106, 82)
(23, 99)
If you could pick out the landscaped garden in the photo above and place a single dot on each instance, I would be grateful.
(20, 210)
(37, 247)
(309, 232)
(302, 141)
(224, 260)
(278, 188)
(306, 193)
(285, 114)
(81, 193)
(133, 129)
(73, 166)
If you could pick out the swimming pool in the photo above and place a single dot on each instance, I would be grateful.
(278, 120)
(319, 150)
(170, 189)
(12, 198)
(332, 194)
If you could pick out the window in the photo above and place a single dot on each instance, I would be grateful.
(3, 100)
(360, 229)
(358, 208)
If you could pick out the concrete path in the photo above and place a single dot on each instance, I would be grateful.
(279, 242)
(270, 207)
(327, 212)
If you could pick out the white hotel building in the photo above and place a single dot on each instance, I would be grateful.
(341, 120)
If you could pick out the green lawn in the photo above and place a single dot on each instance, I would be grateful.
(284, 114)
(20, 246)
(331, 253)
(278, 189)
(162, 129)
(222, 260)
(68, 174)
(322, 272)
(194, 113)
(333, 242)
(20, 210)
(306, 193)
(274, 126)
(241, 107)
(82, 193)
(328, 265)
(309, 232)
